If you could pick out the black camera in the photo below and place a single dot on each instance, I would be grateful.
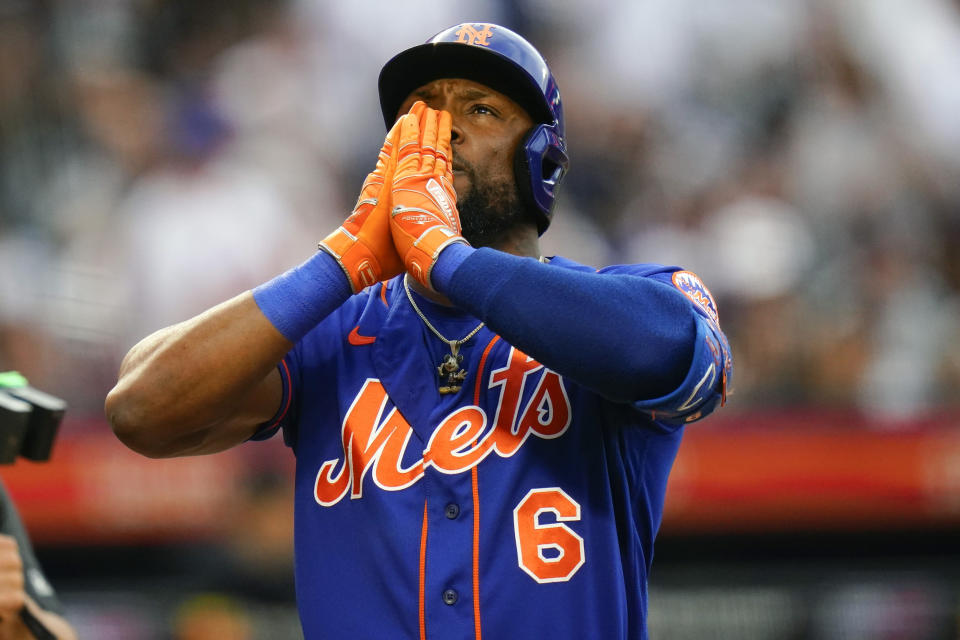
(29, 419)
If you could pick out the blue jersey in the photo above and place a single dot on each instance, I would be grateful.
(524, 505)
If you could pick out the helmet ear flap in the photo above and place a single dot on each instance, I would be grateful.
(538, 166)
(524, 179)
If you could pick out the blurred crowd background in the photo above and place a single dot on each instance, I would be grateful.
(803, 156)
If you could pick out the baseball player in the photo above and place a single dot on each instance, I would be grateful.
(483, 435)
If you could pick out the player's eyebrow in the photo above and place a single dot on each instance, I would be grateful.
(424, 93)
(427, 93)
(473, 93)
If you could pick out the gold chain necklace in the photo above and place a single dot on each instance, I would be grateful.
(451, 375)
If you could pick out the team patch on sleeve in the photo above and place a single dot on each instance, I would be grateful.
(692, 286)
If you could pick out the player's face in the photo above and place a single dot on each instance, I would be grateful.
(486, 128)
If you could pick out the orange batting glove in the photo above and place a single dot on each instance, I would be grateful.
(424, 218)
(362, 244)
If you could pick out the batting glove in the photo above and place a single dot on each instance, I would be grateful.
(424, 219)
(362, 244)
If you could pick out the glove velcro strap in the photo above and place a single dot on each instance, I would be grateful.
(422, 256)
(356, 259)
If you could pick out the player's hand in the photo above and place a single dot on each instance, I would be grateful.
(362, 244)
(424, 218)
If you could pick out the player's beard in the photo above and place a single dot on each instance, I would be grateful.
(490, 210)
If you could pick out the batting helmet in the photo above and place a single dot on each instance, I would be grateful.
(498, 58)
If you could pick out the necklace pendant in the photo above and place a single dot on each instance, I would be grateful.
(451, 375)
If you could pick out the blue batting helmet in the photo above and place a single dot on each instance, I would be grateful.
(498, 58)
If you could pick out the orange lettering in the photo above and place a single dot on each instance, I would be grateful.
(548, 412)
(506, 440)
(377, 443)
(385, 453)
(469, 34)
(329, 490)
(459, 430)
(365, 444)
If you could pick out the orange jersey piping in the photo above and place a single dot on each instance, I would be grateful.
(476, 503)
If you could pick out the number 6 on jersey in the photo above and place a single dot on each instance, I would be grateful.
(534, 539)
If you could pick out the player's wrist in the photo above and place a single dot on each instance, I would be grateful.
(421, 257)
(447, 262)
(299, 299)
(361, 264)
(336, 245)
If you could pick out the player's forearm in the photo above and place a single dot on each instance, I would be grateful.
(207, 383)
(177, 385)
(627, 337)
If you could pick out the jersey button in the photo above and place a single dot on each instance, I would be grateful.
(450, 597)
(452, 511)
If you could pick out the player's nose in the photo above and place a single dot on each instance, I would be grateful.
(443, 103)
(456, 132)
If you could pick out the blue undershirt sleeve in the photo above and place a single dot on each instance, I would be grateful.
(628, 338)
(299, 299)
(295, 302)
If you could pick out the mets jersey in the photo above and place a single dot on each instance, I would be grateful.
(523, 506)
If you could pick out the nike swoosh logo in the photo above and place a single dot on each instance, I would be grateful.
(357, 340)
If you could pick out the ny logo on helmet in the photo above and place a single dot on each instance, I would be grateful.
(468, 34)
